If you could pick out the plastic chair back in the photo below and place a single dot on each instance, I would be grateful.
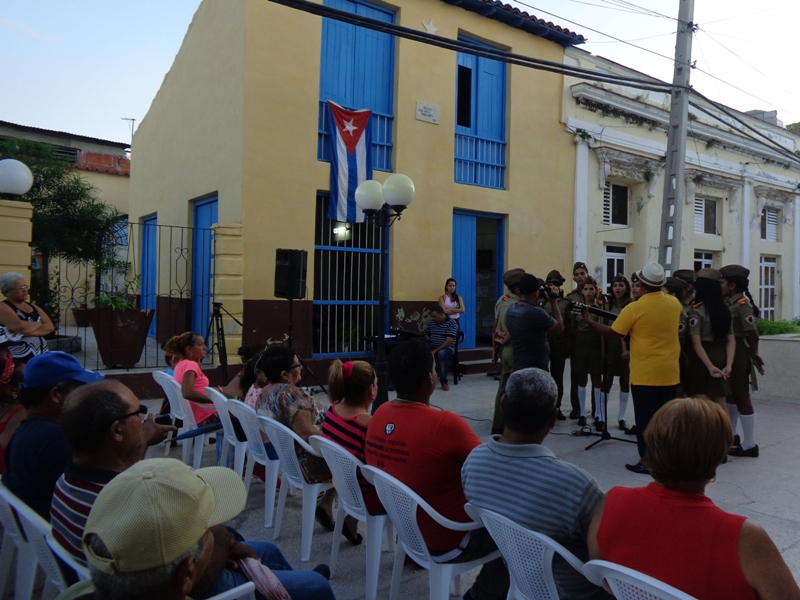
(344, 468)
(528, 554)
(175, 402)
(251, 425)
(67, 558)
(284, 440)
(14, 537)
(221, 404)
(246, 591)
(627, 584)
(36, 530)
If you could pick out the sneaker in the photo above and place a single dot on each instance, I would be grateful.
(739, 451)
(561, 416)
(445, 387)
(323, 570)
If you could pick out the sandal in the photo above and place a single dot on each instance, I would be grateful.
(354, 539)
(323, 519)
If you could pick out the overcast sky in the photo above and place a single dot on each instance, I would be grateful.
(83, 65)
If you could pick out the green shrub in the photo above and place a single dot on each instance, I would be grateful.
(777, 327)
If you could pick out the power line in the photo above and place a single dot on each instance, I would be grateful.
(642, 9)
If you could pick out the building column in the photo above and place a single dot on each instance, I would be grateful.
(15, 237)
(796, 258)
(581, 216)
(228, 285)
(747, 218)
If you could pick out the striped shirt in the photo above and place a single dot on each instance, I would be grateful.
(438, 333)
(351, 435)
(73, 497)
(538, 491)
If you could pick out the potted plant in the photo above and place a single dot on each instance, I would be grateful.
(119, 327)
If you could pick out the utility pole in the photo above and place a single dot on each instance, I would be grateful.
(669, 252)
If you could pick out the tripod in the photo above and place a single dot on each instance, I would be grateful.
(219, 336)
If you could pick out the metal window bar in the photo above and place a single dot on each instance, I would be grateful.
(768, 288)
(346, 275)
(73, 285)
(381, 138)
(480, 161)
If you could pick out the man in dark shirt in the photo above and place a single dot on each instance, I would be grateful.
(528, 326)
(441, 333)
(37, 453)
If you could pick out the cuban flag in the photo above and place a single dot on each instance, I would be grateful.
(351, 160)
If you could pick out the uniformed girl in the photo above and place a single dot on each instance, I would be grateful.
(679, 288)
(712, 341)
(617, 354)
(735, 285)
(586, 356)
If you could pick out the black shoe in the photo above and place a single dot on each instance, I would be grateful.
(323, 519)
(638, 468)
(574, 414)
(736, 441)
(631, 430)
(581, 421)
(598, 425)
(623, 425)
(739, 451)
(323, 570)
(561, 416)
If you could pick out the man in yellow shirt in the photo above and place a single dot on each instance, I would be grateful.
(652, 323)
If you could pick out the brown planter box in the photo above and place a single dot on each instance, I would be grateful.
(120, 336)
(81, 316)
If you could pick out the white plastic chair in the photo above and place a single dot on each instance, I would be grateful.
(284, 440)
(528, 554)
(189, 423)
(175, 411)
(344, 468)
(246, 591)
(66, 557)
(627, 584)
(35, 530)
(13, 537)
(229, 434)
(401, 504)
(256, 453)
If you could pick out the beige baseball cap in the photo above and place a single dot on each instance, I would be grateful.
(157, 510)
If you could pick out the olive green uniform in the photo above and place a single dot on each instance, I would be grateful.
(558, 344)
(587, 347)
(698, 379)
(506, 358)
(574, 296)
(743, 376)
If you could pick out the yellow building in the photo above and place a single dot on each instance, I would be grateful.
(741, 204)
(237, 136)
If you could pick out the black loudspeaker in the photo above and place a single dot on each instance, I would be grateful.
(290, 273)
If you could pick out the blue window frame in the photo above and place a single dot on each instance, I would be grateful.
(356, 72)
(480, 144)
(347, 269)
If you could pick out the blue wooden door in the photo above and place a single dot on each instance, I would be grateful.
(149, 297)
(464, 272)
(205, 215)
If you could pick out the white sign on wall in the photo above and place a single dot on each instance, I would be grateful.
(428, 113)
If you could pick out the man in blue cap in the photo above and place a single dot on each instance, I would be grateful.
(37, 453)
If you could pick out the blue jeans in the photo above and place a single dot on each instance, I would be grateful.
(442, 357)
(301, 585)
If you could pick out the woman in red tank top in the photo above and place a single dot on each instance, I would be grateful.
(672, 531)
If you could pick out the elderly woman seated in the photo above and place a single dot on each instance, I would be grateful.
(672, 531)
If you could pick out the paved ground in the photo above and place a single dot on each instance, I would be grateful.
(765, 489)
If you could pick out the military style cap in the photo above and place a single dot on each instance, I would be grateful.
(513, 277)
(634, 277)
(686, 275)
(580, 265)
(734, 271)
(711, 274)
(674, 283)
(553, 275)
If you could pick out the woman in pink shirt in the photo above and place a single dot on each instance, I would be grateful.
(192, 350)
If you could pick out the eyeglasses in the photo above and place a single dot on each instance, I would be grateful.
(295, 367)
(22, 287)
(141, 411)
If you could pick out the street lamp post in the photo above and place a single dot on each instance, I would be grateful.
(383, 205)
(15, 179)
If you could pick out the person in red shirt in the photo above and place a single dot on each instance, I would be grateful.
(425, 449)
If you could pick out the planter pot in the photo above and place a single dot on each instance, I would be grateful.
(81, 316)
(65, 343)
(120, 336)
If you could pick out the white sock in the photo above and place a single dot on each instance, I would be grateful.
(582, 399)
(598, 405)
(748, 429)
(623, 405)
(733, 414)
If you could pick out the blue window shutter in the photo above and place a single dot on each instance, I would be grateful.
(491, 99)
